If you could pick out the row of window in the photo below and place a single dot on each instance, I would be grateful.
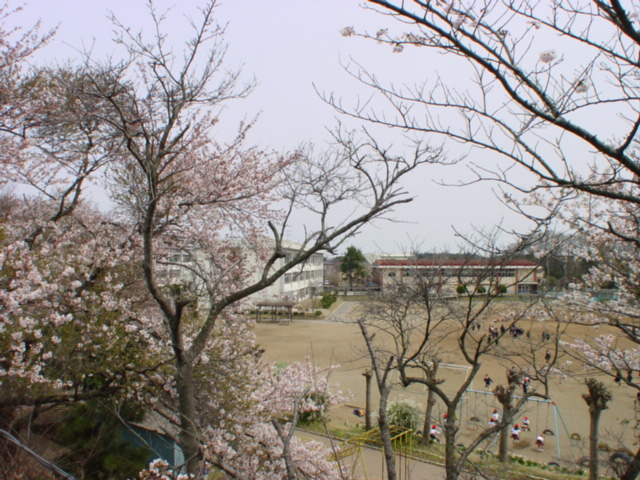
(181, 258)
(303, 276)
(313, 260)
(455, 272)
(527, 289)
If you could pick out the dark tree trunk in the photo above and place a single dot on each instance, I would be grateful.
(367, 410)
(503, 444)
(387, 445)
(594, 424)
(431, 401)
(188, 431)
(597, 400)
(633, 470)
(504, 395)
(452, 470)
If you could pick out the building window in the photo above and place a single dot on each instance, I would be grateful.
(527, 289)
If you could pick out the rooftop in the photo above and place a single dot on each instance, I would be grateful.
(453, 262)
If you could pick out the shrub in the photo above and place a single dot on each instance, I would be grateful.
(93, 434)
(318, 313)
(460, 289)
(481, 289)
(403, 414)
(317, 412)
(327, 300)
(502, 289)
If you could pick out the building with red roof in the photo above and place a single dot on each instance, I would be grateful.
(458, 275)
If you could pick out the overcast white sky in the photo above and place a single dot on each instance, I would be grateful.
(288, 46)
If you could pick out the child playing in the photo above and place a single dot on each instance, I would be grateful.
(495, 416)
(433, 433)
(515, 433)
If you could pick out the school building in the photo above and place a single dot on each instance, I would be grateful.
(516, 277)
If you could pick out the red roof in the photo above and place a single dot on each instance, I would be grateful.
(442, 262)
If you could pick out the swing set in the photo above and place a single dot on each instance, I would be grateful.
(477, 405)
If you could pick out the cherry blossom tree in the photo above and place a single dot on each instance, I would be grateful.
(63, 264)
(211, 202)
(17, 113)
(282, 394)
(193, 219)
(62, 305)
(552, 95)
(609, 233)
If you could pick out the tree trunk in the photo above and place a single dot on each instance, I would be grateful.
(594, 417)
(431, 401)
(387, 447)
(187, 410)
(504, 395)
(633, 469)
(385, 436)
(452, 471)
(597, 400)
(503, 444)
(286, 446)
(367, 409)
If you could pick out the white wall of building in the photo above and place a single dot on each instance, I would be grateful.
(297, 284)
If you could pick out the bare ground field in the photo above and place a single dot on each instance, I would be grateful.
(338, 341)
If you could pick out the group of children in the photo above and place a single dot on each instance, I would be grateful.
(515, 431)
(526, 382)
(493, 421)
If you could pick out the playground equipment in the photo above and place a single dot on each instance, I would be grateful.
(401, 438)
(417, 392)
(477, 406)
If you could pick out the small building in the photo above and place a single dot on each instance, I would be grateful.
(275, 310)
(516, 277)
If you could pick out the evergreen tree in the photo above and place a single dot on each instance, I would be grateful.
(352, 265)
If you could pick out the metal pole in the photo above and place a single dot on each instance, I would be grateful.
(42, 461)
(557, 432)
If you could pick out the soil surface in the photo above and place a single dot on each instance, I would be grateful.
(337, 340)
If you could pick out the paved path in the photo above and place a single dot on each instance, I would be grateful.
(372, 460)
(342, 310)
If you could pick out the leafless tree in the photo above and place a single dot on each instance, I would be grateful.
(554, 92)
(551, 95)
(406, 329)
(382, 368)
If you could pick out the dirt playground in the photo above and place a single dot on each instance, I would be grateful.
(336, 340)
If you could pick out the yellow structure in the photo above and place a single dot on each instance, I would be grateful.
(401, 438)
